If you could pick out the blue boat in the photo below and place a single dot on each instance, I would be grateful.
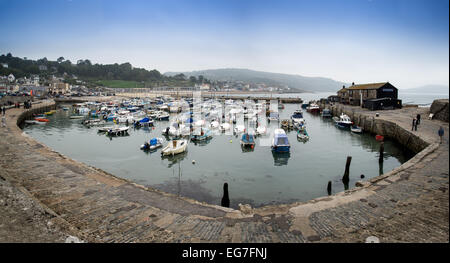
(152, 144)
(248, 140)
(297, 116)
(280, 142)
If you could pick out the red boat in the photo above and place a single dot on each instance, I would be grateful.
(379, 138)
(42, 119)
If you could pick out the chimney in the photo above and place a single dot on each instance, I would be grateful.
(343, 86)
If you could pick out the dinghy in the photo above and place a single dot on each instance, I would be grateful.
(302, 135)
(356, 129)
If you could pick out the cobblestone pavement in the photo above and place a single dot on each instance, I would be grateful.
(409, 204)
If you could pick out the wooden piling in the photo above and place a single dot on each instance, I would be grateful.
(225, 199)
(329, 188)
(346, 178)
(380, 159)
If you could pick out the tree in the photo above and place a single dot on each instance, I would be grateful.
(192, 79)
(60, 59)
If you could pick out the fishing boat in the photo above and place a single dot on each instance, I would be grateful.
(174, 147)
(302, 135)
(280, 142)
(143, 122)
(343, 121)
(152, 144)
(356, 129)
(326, 113)
(297, 116)
(313, 108)
(248, 140)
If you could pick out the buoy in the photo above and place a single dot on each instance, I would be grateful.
(193, 161)
(231, 141)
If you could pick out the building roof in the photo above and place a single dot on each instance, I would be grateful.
(342, 90)
(368, 86)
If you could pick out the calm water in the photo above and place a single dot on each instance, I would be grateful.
(257, 177)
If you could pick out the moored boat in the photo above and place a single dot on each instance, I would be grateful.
(356, 129)
(153, 144)
(343, 121)
(248, 140)
(280, 142)
(174, 147)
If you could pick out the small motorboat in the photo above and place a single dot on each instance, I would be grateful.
(280, 142)
(225, 126)
(163, 116)
(152, 144)
(214, 124)
(273, 116)
(298, 116)
(356, 129)
(31, 122)
(248, 140)
(117, 131)
(203, 135)
(261, 130)
(343, 121)
(175, 147)
(239, 129)
(302, 135)
(313, 108)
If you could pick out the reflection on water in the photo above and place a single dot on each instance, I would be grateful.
(255, 176)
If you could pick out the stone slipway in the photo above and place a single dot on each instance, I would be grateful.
(409, 204)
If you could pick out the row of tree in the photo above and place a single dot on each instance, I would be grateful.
(84, 69)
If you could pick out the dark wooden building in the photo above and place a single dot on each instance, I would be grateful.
(372, 95)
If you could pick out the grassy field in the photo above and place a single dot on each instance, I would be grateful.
(120, 84)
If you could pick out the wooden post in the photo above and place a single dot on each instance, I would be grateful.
(380, 159)
(329, 188)
(346, 178)
(225, 199)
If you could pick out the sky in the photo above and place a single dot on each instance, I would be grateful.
(405, 42)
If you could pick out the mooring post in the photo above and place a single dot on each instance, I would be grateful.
(380, 159)
(225, 199)
(346, 178)
(329, 188)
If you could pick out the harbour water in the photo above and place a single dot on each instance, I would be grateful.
(255, 177)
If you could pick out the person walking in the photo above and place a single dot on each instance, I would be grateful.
(441, 133)
(418, 119)
(4, 110)
(413, 124)
(3, 121)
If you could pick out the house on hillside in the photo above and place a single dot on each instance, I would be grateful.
(11, 78)
(373, 96)
(5, 65)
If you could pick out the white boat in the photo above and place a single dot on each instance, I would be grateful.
(174, 147)
(356, 129)
(280, 142)
(313, 108)
(76, 117)
(297, 117)
(239, 129)
(225, 126)
(274, 116)
(214, 124)
(343, 121)
(34, 122)
(261, 130)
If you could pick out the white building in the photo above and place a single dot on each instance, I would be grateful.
(4, 65)
(11, 78)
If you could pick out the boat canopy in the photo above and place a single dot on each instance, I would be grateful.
(144, 120)
(297, 115)
(248, 138)
(153, 141)
(280, 138)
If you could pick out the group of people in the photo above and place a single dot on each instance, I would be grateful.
(27, 104)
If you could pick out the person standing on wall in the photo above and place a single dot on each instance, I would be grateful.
(418, 119)
(413, 124)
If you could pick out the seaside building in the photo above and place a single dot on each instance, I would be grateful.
(374, 96)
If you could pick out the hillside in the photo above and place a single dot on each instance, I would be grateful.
(301, 83)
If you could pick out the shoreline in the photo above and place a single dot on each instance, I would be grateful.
(299, 228)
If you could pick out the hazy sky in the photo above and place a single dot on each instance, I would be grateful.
(405, 42)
